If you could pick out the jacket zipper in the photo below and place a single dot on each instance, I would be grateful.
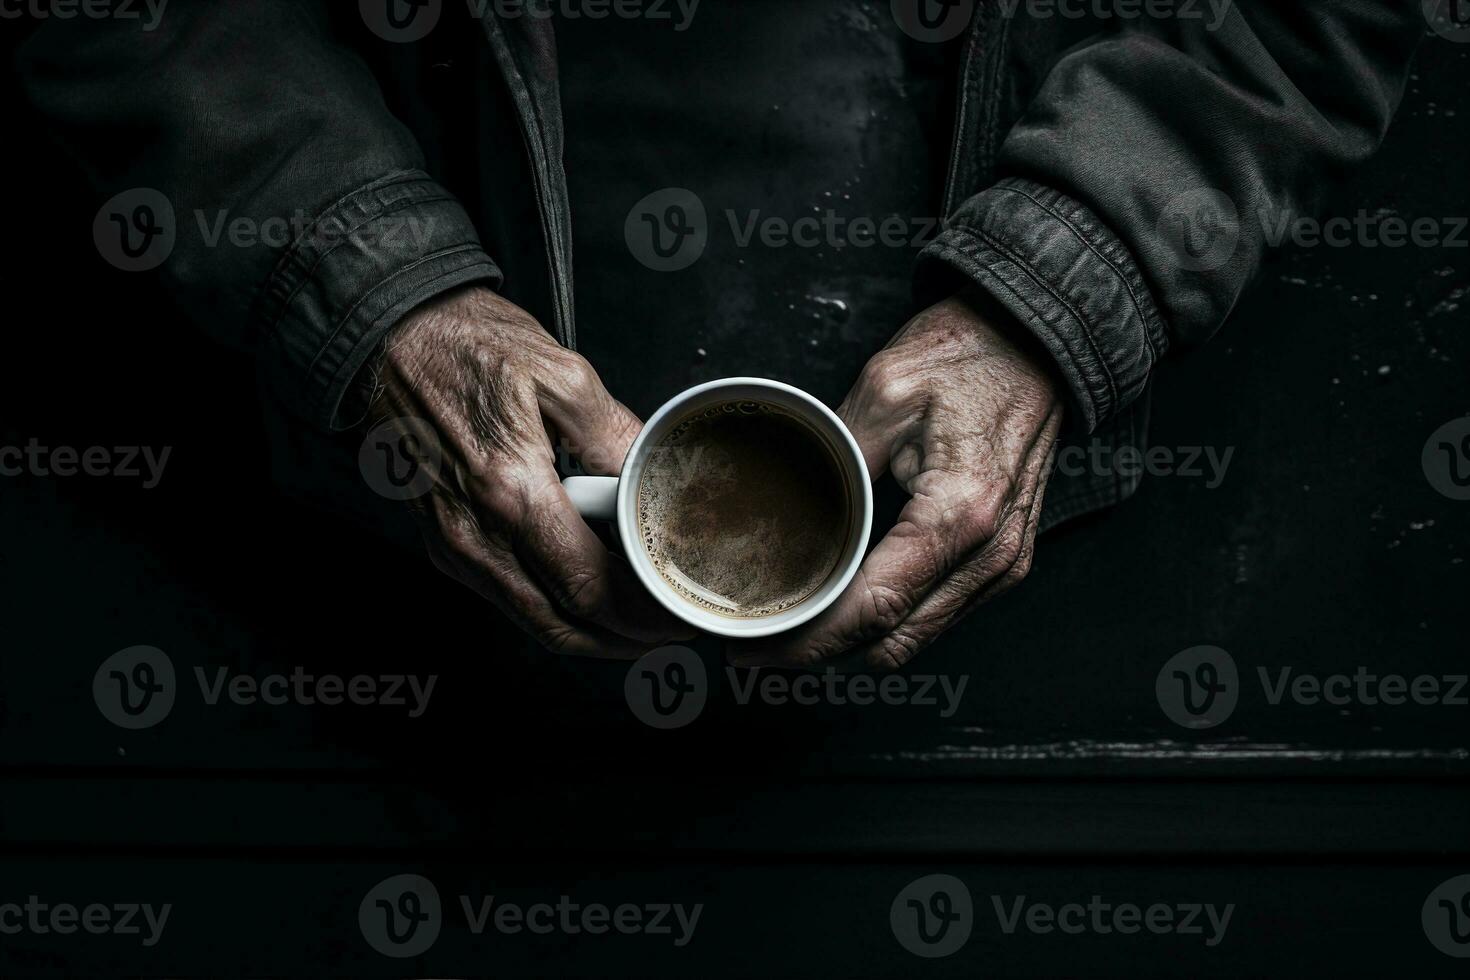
(961, 105)
(564, 325)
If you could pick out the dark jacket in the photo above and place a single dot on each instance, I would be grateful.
(1094, 170)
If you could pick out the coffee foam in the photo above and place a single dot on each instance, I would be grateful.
(743, 509)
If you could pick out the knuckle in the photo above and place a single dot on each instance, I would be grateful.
(503, 496)
(490, 364)
(581, 593)
(895, 650)
(980, 518)
(878, 369)
(1010, 544)
(813, 652)
(890, 386)
(579, 373)
(884, 609)
(1013, 576)
(556, 637)
(458, 538)
(1024, 558)
(814, 655)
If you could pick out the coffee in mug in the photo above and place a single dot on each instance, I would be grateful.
(744, 509)
(743, 506)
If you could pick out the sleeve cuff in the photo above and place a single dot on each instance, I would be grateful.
(1066, 277)
(351, 275)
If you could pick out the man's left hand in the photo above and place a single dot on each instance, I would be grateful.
(962, 406)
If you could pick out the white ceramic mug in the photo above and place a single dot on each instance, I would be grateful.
(615, 498)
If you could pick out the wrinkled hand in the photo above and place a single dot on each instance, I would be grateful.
(497, 389)
(965, 413)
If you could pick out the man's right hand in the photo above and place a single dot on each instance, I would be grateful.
(498, 389)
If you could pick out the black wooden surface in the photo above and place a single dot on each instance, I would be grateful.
(1324, 549)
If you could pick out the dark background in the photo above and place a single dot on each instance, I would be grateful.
(1325, 549)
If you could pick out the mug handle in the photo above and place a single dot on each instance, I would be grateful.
(595, 497)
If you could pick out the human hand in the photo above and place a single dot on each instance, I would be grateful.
(497, 389)
(964, 410)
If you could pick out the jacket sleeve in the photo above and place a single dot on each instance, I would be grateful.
(297, 220)
(1128, 211)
